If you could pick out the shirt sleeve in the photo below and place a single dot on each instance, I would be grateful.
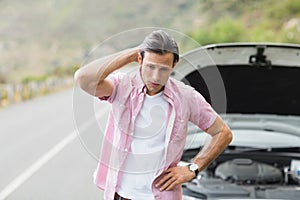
(202, 114)
(115, 80)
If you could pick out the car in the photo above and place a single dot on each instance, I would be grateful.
(254, 87)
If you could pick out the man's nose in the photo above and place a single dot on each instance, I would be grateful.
(156, 75)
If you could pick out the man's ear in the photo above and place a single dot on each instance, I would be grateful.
(174, 64)
(140, 59)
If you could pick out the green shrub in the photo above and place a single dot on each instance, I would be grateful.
(224, 30)
(31, 78)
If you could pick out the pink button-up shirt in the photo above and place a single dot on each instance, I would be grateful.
(185, 104)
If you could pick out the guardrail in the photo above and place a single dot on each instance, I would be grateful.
(14, 93)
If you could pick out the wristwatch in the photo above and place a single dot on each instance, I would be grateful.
(194, 168)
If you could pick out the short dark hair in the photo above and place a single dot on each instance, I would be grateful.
(160, 42)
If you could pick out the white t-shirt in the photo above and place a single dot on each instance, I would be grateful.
(147, 147)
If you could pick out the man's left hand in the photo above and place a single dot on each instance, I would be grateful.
(174, 176)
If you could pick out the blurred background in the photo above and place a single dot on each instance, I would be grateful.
(50, 38)
(42, 44)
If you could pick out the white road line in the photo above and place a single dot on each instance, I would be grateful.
(18, 181)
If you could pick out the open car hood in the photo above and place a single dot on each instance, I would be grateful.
(254, 86)
(253, 78)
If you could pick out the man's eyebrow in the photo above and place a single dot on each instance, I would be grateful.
(157, 65)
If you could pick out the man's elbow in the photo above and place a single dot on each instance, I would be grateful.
(86, 82)
(228, 135)
(81, 80)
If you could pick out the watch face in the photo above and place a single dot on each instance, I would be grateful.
(193, 167)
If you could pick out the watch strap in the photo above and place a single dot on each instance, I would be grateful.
(196, 171)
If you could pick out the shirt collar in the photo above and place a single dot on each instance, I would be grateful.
(140, 83)
(167, 90)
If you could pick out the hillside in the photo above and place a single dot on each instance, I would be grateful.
(249, 21)
(41, 38)
(38, 37)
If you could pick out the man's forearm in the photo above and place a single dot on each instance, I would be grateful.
(90, 75)
(213, 148)
(113, 62)
(179, 174)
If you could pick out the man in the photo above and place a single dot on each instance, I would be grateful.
(147, 126)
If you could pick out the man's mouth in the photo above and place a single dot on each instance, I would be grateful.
(154, 84)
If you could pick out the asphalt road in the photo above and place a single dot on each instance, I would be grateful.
(45, 153)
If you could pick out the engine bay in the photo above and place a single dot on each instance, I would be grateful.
(247, 175)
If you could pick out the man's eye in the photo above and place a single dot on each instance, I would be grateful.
(151, 67)
(164, 69)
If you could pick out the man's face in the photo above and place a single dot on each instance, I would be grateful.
(156, 70)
